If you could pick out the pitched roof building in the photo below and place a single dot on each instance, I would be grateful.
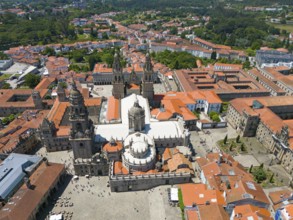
(269, 119)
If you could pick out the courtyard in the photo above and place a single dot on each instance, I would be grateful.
(256, 154)
(106, 90)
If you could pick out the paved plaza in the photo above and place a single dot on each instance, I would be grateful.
(206, 141)
(159, 88)
(93, 195)
(106, 90)
(247, 160)
(102, 90)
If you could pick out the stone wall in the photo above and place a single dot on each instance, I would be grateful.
(91, 168)
(143, 182)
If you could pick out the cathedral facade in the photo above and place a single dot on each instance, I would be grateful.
(145, 87)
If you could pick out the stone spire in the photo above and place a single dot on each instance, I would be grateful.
(117, 68)
(147, 79)
(148, 67)
(81, 132)
(61, 93)
(118, 80)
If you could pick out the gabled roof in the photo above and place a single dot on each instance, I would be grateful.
(247, 190)
(212, 212)
(246, 212)
(198, 194)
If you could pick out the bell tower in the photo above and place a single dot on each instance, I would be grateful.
(118, 81)
(81, 132)
(37, 99)
(61, 93)
(147, 89)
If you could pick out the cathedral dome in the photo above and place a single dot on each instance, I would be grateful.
(140, 153)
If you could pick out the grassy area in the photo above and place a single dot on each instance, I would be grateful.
(23, 87)
(197, 114)
(181, 204)
(82, 37)
(287, 27)
(5, 76)
(270, 179)
(232, 146)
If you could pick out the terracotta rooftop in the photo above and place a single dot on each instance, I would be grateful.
(198, 194)
(113, 109)
(109, 148)
(247, 190)
(212, 212)
(191, 215)
(177, 161)
(45, 83)
(278, 197)
(25, 201)
(21, 126)
(57, 112)
(245, 212)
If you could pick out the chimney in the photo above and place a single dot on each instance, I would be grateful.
(27, 182)
(46, 162)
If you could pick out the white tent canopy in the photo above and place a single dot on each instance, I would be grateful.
(56, 217)
(174, 195)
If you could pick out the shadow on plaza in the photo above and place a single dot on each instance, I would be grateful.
(44, 212)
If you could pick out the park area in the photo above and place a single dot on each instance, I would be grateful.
(256, 159)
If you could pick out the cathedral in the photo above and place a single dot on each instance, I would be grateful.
(121, 88)
(133, 142)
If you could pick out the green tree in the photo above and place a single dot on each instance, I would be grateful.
(231, 147)
(3, 56)
(272, 178)
(8, 119)
(105, 36)
(225, 139)
(176, 65)
(216, 118)
(246, 65)
(250, 169)
(237, 138)
(243, 147)
(214, 55)
(32, 80)
(174, 30)
(11, 117)
(260, 175)
(6, 86)
(93, 33)
(261, 166)
(77, 55)
(92, 62)
(49, 51)
(108, 58)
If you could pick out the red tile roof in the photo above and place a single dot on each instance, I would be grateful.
(198, 194)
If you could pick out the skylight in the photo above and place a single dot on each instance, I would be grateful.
(250, 185)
